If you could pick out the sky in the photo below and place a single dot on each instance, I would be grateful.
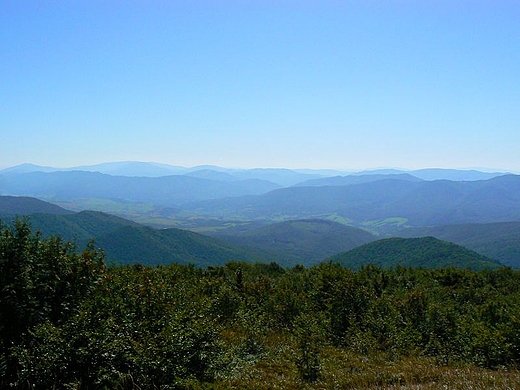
(294, 84)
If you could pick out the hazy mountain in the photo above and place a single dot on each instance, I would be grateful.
(304, 242)
(421, 203)
(28, 168)
(445, 202)
(133, 168)
(23, 205)
(355, 179)
(356, 202)
(426, 252)
(280, 176)
(380, 171)
(212, 175)
(165, 190)
(454, 174)
(283, 177)
(438, 174)
(498, 241)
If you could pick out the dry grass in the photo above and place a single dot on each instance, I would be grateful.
(345, 370)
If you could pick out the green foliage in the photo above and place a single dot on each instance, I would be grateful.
(69, 322)
(498, 241)
(426, 252)
(309, 335)
(43, 281)
(127, 242)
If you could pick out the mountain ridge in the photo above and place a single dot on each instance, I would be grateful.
(421, 203)
(154, 169)
(164, 190)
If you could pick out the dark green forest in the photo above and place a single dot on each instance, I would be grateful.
(69, 321)
(424, 252)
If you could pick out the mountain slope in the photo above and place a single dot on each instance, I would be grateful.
(128, 242)
(426, 252)
(303, 242)
(23, 205)
(152, 247)
(498, 241)
(79, 228)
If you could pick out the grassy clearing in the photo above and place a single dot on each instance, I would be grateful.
(342, 369)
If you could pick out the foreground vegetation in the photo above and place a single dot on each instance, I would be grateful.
(68, 321)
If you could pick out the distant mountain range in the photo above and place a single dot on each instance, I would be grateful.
(164, 190)
(417, 203)
(280, 176)
(379, 201)
(356, 179)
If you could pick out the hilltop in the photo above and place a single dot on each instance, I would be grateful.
(498, 241)
(426, 252)
(23, 205)
(124, 241)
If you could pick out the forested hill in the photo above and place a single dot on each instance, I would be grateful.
(499, 241)
(79, 228)
(127, 242)
(144, 245)
(24, 205)
(426, 252)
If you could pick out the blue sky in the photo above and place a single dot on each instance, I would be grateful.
(296, 84)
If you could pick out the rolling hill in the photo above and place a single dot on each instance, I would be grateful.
(24, 205)
(498, 241)
(127, 242)
(426, 252)
(149, 246)
(305, 242)
(79, 228)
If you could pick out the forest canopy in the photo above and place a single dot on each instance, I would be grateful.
(69, 321)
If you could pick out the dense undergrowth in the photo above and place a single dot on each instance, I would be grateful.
(68, 321)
